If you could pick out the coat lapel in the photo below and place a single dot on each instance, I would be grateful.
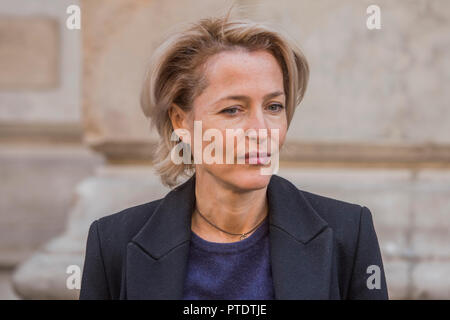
(300, 245)
(157, 255)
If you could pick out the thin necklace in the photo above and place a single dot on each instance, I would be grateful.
(242, 235)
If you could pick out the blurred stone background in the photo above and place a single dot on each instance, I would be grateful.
(373, 128)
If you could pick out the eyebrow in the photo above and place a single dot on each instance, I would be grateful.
(247, 98)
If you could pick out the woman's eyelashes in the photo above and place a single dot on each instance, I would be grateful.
(230, 111)
(273, 108)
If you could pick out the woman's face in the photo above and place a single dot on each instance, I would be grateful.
(245, 91)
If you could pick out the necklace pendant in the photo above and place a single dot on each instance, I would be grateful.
(243, 236)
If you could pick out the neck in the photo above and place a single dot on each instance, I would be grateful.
(235, 211)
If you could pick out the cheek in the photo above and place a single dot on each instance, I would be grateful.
(281, 127)
(283, 133)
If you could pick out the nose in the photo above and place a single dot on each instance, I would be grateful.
(257, 121)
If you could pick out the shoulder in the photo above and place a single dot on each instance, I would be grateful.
(355, 243)
(350, 222)
(107, 241)
(337, 213)
(343, 217)
(347, 220)
(119, 228)
(333, 211)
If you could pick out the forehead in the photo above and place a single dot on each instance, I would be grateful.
(239, 70)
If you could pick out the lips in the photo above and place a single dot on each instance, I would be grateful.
(260, 158)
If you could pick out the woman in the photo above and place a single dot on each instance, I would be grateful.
(233, 230)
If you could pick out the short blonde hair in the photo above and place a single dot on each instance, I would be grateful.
(176, 75)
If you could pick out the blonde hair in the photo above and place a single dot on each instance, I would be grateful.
(176, 75)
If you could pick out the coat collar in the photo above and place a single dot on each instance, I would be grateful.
(157, 255)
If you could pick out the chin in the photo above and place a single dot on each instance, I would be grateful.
(245, 177)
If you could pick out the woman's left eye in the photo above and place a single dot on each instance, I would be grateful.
(275, 107)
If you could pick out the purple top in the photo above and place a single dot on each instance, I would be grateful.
(230, 271)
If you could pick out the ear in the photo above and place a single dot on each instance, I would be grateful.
(177, 116)
(179, 119)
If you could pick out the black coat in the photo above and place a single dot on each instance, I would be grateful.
(320, 248)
